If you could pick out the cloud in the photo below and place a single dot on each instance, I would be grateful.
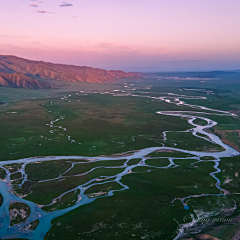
(33, 5)
(44, 12)
(127, 60)
(64, 4)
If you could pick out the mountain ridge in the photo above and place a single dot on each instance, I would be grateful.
(15, 80)
(26, 70)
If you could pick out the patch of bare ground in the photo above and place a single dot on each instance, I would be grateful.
(228, 230)
(166, 150)
(29, 110)
(222, 135)
(211, 150)
(202, 237)
(237, 112)
(124, 154)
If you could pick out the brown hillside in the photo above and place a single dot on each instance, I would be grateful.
(15, 71)
(20, 80)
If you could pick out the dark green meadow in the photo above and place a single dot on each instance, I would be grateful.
(149, 209)
(97, 124)
(67, 122)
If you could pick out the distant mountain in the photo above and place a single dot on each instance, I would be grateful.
(20, 80)
(19, 72)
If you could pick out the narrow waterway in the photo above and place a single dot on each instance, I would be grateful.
(22, 230)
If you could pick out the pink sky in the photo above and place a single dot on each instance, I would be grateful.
(132, 35)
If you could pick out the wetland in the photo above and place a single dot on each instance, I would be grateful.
(136, 160)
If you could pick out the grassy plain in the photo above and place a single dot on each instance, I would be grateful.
(97, 124)
(146, 210)
(102, 124)
(89, 125)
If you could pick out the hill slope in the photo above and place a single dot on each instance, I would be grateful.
(19, 72)
(22, 81)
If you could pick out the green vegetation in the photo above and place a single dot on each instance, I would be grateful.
(44, 192)
(186, 163)
(134, 161)
(141, 210)
(67, 200)
(45, 170)
(185, 140)
(34, 224)
(160, 162)
(102, 189)
(18, 212)
(229, 176)
(16, 176)
(166, 153)
(106, 125)
(200, 122)
(13, 167)
(2, 173)
(207, 158)
(97, 124)
(85, 167)
(202, 135)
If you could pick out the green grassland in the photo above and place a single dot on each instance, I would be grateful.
(229, 177)
(151, 202)
(145, 210)
(99, 124)
(200, 121)
(67, 200)
(17, 208)
(102, 124)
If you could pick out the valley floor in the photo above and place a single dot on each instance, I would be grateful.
(141, 160)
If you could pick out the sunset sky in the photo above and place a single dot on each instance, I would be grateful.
(132, 35)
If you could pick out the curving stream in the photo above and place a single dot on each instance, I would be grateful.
(22, 230)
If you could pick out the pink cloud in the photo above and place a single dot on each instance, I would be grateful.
(44, 12)
(33, 5)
